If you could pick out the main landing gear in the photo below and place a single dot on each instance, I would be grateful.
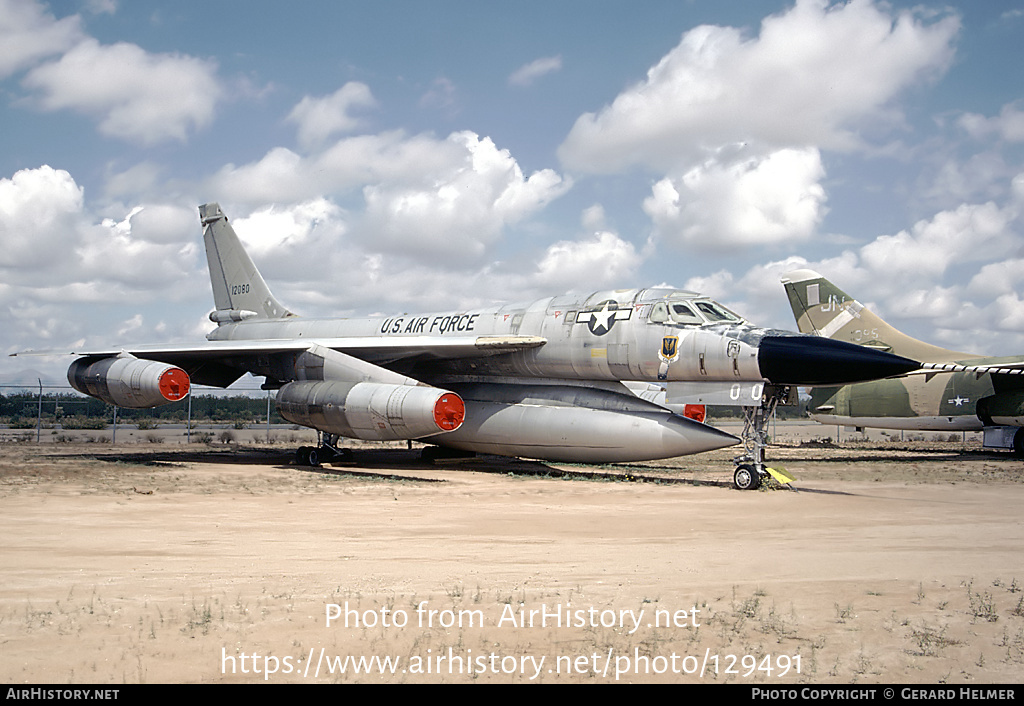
(325, 450)
(750, 468)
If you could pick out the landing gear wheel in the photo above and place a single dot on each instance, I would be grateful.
(307, 456)
(746, 477)
(1018, 443)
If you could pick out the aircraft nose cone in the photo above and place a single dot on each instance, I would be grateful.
(798, 359)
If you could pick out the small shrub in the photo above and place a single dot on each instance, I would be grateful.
(80, 422)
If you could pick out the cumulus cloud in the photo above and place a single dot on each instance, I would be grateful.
(310, 260)
(131, 325)
(1008, 125)
(60, 260)
(39, 210)
(272, 230)
(922, 256)
(527, 74)
(718, 206)
(813, 76)
(118, 255)
(980, 176)
(593, 218)
(135, 95)
(914, 279)
(997, 278)
(320, 118)
(285, 176)
(160, 224)
(462, 209)
(384, 218)
(927, 250)
(28, 34)
(737, 124)
(44, 222)
(600, 261)
(445, 198)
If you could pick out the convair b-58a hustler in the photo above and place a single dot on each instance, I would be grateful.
(540, 380)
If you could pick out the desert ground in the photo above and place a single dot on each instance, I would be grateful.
(151, 560)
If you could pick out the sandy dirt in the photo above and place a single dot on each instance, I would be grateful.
(894, 562)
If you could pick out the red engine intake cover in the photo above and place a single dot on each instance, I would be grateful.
(174, 384)
(449, 412)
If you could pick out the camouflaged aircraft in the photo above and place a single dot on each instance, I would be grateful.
(953, 391)
(541, 380)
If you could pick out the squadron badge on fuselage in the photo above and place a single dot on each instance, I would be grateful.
(668, 354)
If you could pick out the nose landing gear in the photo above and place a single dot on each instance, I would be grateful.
(746, 477)
(751, 471)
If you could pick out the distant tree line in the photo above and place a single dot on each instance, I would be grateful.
(76, 408)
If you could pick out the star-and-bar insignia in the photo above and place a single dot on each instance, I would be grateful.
(601, 319)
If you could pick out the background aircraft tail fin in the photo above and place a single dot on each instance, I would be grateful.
(239, 291)
(822, 308)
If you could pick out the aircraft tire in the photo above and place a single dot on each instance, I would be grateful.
(308, 456)
(1018, 443)
(746, 477)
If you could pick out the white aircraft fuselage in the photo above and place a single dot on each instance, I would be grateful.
(541, 379)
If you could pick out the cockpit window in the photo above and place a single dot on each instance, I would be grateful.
(682, 314)
(659, 314)
(715, 312)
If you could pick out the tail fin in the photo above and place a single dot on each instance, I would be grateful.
(239, 291)
(822, 308)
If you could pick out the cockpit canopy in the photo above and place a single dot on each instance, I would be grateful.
(664, 304)
(693, 311)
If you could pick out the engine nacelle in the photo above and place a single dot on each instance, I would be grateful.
(370, 410)
(129, 382)
(575, 424)
(1002, 409)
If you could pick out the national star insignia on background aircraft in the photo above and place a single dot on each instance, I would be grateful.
(953, 391)
(541, 380)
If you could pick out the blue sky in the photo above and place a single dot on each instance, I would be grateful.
(414, 156)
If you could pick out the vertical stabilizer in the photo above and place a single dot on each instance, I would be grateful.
(822, 308)
(239, 291)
